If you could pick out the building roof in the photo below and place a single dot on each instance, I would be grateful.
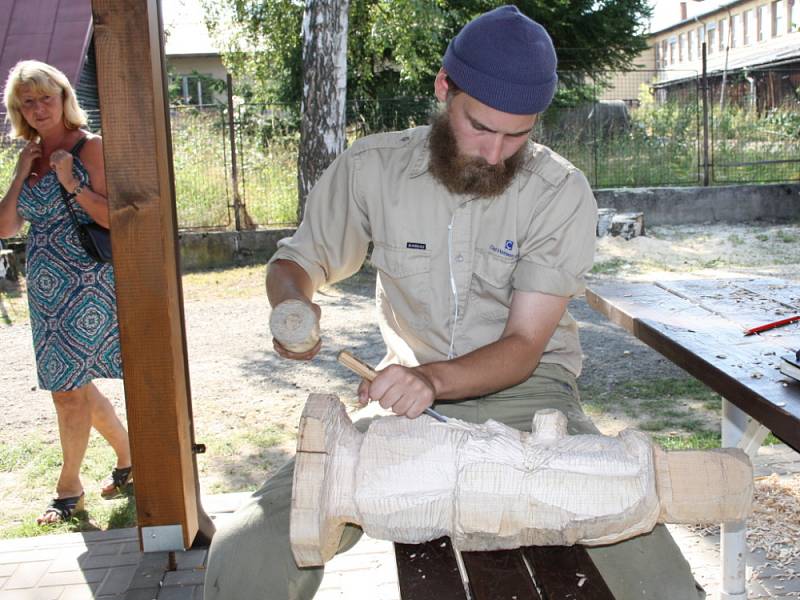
(57, 32)
(722, 8)
(185, 29)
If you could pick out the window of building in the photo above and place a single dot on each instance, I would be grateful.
(723, 37)
(701, 37)
(712, 38)
(673, 43)
(664, 55)
(681, 47)
(763, 22)
(193, 90)
(736, 31)
(690, 45)
(748, 27)
(778, 18)
(794, 15)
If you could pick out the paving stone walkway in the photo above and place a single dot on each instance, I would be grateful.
(107, 565)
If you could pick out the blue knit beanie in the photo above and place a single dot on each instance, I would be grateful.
(505, 60)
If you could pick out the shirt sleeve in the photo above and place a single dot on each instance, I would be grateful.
(331, 242)
(559, 247)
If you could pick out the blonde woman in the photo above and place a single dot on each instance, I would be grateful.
(71, 296)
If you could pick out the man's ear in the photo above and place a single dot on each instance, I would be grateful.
(440, 86)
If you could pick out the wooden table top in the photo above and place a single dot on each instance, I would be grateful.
(700, 324)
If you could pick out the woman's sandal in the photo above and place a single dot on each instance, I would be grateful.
(63, 508)
(114, 486)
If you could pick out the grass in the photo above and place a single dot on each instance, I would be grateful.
(679, 413)
(786, 237)
(610, 267)
(681, 407)
(236, 282)
(30, 468)
(253, 442)
(736, 240)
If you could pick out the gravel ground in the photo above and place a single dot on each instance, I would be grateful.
(240, 386)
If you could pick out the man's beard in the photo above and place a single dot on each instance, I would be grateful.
(469, 175)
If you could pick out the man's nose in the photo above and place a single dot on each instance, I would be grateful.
(493, 150)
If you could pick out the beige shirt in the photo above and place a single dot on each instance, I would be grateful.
(448, 264)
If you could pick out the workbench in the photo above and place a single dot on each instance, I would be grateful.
(435, 571)
(700, 325)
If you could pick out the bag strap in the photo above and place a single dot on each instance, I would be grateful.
(75, 150)
(65, 198)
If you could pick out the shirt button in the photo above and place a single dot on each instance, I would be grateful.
(460, 258)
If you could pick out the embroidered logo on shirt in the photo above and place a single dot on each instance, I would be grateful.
(507, 250)
(415, 246)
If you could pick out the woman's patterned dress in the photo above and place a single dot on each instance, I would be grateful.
(72, 302)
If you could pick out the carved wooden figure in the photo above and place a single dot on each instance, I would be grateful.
(491, 487)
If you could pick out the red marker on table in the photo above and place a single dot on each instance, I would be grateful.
(773, 325)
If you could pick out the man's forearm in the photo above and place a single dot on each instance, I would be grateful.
(286, 280)
(499, 365)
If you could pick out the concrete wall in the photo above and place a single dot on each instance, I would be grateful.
(214, 249)
(661, 206)
(731, 204)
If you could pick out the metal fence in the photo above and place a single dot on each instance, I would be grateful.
(641, 128)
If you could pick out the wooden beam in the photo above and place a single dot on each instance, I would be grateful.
(141, 192)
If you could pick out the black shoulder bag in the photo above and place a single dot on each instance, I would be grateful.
(94, 238)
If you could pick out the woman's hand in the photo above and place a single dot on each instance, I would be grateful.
(27, 157)
(61, 162)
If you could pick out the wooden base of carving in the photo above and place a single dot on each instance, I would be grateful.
(490, 487)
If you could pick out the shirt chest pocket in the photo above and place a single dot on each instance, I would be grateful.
(404, 276)
(490, 289)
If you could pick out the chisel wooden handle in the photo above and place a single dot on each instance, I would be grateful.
(357, 366)
(361, 368)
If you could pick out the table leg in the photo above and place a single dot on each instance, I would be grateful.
(741, 431)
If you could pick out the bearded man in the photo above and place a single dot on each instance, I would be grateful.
(480, 238)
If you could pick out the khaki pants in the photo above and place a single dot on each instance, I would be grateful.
(250, 557)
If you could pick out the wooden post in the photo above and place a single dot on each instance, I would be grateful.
(141, 192)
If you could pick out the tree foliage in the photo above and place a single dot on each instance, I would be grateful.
(395, 47)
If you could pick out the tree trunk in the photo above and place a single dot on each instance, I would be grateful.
(322, 126)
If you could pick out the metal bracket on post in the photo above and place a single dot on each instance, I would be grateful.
(162, 538)
(752, 438)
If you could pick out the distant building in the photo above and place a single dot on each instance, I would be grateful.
(59, 32)
(753, 44)
(193, 60)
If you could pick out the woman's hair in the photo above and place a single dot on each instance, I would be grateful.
(39, 78)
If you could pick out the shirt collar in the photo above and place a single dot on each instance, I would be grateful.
(421, 158)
